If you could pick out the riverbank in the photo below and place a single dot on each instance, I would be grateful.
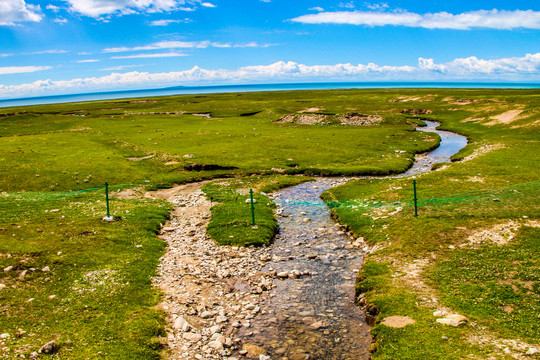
(460, 280)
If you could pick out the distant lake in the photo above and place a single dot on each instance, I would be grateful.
(185, 90)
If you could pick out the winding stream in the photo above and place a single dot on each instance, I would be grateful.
(314, 316)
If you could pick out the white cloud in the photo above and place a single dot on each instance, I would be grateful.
(53, 51)
(53, 8)
(377, 7)
(167, 22)
(183, 45)
(492, 19)
(349, 5)
(21, 69)
(87, 61)
(137, 56)
(121, 67)
(99, 8)
(316, 8)
(60, 20)
(525, 68)
(14, 11)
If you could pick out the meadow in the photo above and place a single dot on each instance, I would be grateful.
(87, 283)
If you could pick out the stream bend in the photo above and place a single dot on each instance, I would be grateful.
(312, 314)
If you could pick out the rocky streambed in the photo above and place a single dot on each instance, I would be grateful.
(293, 300)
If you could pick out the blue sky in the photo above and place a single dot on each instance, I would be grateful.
(71, 46)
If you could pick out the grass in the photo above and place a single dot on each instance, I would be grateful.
(494, 286)
(104, 301)
(231, 222)
(96, 147)
(97, 298)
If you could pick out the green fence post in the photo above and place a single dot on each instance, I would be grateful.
(252, 208)
(107, 198)
(415, 199)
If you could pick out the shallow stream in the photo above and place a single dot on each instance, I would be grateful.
(314, 316)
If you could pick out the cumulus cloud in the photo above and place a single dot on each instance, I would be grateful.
(100, 8)
(489, 19)
(21, 69)
(15, 11)
(471, 68)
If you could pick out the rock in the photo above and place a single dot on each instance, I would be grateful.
(215, 329)
(108, 218)
(168, 229)
(283, 275)
(6, 269)
(34, 355)
(4, 336)
(294, 274)
(440, 313)
(248, 201)
(46, 269)
(317, 325)
(453, 320)
(206, 314)
(531, 351)
(221, 319)
(192, 337)
(264, 357)
(306, 220)
(48, 348)
(181, 324)
(397, 321)
(216, 345)
(253, 351)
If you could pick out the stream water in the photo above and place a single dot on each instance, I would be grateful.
(315, 316)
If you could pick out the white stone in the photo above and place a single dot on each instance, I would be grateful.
(221, 319)
(206, 314)
(192, 337)
(4, 336)
(532, 351)
(181, 324)
(216, 345)
(45, 269)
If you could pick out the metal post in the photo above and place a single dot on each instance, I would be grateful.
(415, 199)
(252, 208)
(107, 198)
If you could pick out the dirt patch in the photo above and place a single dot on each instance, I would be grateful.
(416, 111)
(310, 110)
(506, 117)
(140, 158)
(397, 321)
(80, 129)
(173, 162)
(429, 97)
(354, 119)
(500, 234)
(483, 149)
(464, 101)
(515, 348)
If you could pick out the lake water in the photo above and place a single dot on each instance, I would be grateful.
(184, 90)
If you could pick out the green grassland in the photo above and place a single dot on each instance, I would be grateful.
(100, 273)
(496, 286)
